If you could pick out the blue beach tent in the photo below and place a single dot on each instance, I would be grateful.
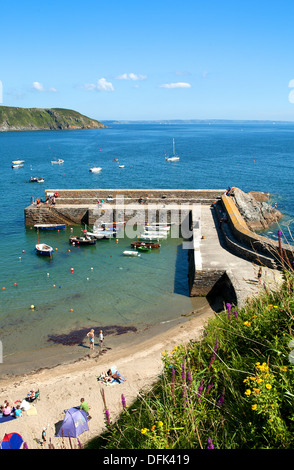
(11, 441)
(75, 423)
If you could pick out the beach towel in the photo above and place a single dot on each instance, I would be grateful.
(112, 381)
(32, 411)
(4, 419)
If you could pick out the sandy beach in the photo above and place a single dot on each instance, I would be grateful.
(63, 386)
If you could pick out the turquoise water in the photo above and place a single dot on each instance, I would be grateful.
(107, 288)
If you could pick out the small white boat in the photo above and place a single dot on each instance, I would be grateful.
(121, 166)
(174, 157)
(157, 228)
(99, 234)
(17, 162)
(131, 253)
(44, 250)
(59, 161)
(150, 236)
(95, 169)
(17, 165)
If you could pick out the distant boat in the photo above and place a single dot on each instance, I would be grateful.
(44, 250)
(17, 165)
(58, 161)
(174, 157)
(49, 226)
(17, 162)
(121, 166)
(36, 180)
(95, 169)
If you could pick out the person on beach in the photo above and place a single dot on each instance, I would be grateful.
(43, 437)
(91, 338)
(85, 407)
(101, 339)
(17, 412)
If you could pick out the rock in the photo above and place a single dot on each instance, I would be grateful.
(258, 213)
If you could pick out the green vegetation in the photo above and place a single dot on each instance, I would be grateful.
(44, 119)
(234, 389)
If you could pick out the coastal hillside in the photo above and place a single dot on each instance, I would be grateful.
(33, 119)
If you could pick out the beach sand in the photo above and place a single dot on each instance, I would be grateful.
(139, 361)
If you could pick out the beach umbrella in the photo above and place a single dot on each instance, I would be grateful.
(11, 441)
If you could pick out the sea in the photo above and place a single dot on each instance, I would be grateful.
(43, 301)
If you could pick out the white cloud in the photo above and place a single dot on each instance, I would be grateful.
(104, 85)
(131, 76)
(101, 85)
(39, 87)
(175, 85)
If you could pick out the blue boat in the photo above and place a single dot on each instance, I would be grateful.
(49, 226)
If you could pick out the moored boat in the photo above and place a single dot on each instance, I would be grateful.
(59, 161)
(17, 162)
(131, 253)
(151, 236)
(44, 250)
(144, 249)
(99, 234)
(82, 241)
(49, 226)
(151, 245)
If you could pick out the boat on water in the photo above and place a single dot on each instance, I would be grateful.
(173, 157)
(44, 250)
(17, 162)
(100, 234)
(36, 180)
(95, 169)
(121, 166)
(17, 165)
(49, 226)
(157, 228)
(152, 236)
(82, 241)
(144, 249)
(59, 161)
(151, 245)
(131, 253)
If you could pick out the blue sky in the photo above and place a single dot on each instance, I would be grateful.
(146, 59)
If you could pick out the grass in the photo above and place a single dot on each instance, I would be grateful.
(39, 118)
(234, 389)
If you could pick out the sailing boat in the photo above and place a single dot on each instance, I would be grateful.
(174, 157)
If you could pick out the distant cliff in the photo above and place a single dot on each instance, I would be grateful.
(35, 119)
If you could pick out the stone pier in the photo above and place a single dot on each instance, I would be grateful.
(223, 257)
